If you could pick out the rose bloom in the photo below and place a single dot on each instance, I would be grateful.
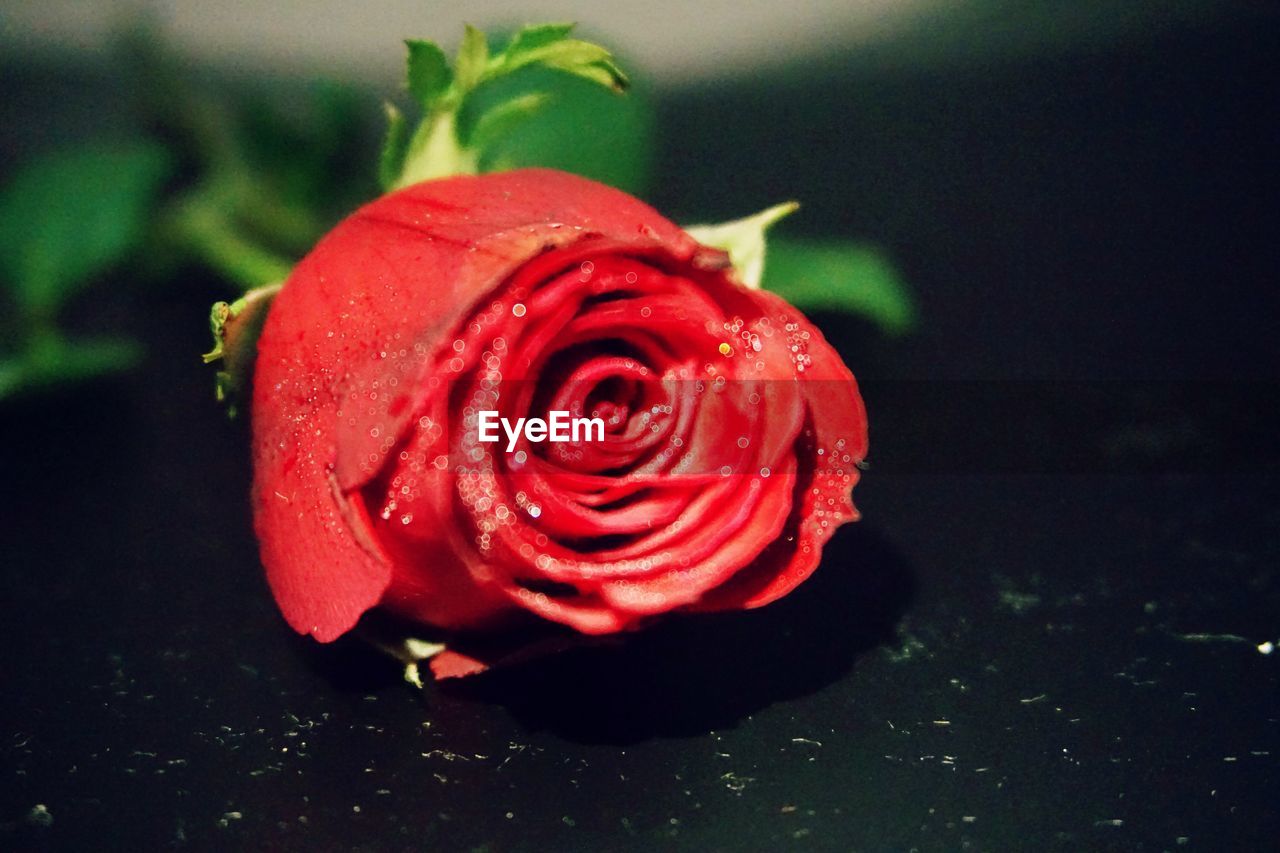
(733, 429)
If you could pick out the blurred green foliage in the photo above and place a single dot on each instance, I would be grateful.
(838, 275)
(66, 219)
(244, 184)
(73, 213)
(264, 177)
(49, 358)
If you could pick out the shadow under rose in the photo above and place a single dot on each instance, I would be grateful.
(688, 676)
(350, 664)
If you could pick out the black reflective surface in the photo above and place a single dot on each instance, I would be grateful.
(1046, 632)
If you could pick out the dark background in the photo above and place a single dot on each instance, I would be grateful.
(1044, 633)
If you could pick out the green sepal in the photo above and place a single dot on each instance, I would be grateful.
(473, 59)
(434, 151)
(583, 129)
(443, 144)
(604, 73)
(429, 73)
(744, 240)
(394, 147)
(575, 56)
(501, 119)
(236, 327)
(531, 37)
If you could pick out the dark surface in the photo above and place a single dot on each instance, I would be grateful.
(1043, 635)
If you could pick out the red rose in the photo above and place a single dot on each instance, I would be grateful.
(732, 429)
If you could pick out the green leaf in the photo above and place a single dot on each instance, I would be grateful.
(429, 74)
(391, 161)
(841, 276)
(744, 240)
(68, 216)
(52, 360)
(473, 59)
